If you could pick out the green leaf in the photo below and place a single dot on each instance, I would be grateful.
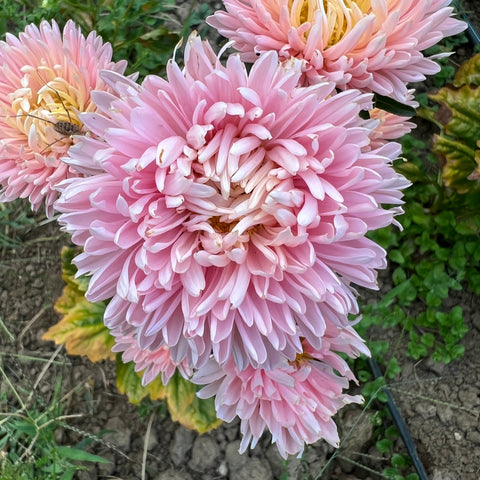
(396, 256)
(399, 460)
(411, 171)
(384, 445)
(391, 431)
(428, 339)
(68, 474)
(417, 350)
(393, 106)
(456, 314)
(412, 476)
(457, 351)
(81, 455)
(364, 376)
(393, 368)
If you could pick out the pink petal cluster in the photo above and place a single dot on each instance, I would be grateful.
(46, 78)
(227, 222)
(389, 126)
(371, 45)
(152, 363)
(295, 401)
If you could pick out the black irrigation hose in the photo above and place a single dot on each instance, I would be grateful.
(471, 32)
(474, 37)
(401, 425)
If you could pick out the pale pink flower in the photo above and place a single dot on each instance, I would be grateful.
(231, 213)
(389, 126)
(151, 362)
(45, 82)
(295, 401)
(372, 45)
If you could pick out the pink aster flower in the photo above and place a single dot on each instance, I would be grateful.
(365, 44)
(45, 82)
(295, 401)
(231, 214)
(152, 362)
(387, 126)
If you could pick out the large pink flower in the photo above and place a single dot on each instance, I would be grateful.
(295, 401)
(372, 45)
(45, 82)
(231, 213)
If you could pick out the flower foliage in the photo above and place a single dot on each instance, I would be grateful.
(458, 144)
(81, 328)
(45, 82)
(370, 45)
(229, 212)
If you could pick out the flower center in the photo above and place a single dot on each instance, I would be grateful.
(45, 109)
(341, 15)
(221, 227)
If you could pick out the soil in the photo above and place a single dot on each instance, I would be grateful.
(440, 403)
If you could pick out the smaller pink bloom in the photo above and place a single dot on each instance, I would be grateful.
(46, 78)
(295, 401)
(152, 362)
(369, 45)
(391, 126)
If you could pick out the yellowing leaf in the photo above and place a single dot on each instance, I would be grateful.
(459, 120)
(129, 383)
(157, 389)
(81, 328)
(83, 332)
(189, 410)
(468, 73)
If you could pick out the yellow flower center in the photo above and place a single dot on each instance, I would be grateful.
(221, 227)
(341, 15)
(301, 360)
(46, 110)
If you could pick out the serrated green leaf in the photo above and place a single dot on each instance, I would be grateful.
(456, 314)
(412, 476)
(428, 339)
(393, 368)
(399, 460)
(384, 445)
(457, 351)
